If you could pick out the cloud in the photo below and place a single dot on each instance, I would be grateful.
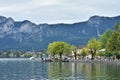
(55, 11)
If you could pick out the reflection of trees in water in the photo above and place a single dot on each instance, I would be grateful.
(91, 71)
(63, 70)
(81, 70)
(58, 70)
(87, 71)
(113, 71)
(95, 71)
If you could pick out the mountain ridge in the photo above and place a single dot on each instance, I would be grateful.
(25, 35)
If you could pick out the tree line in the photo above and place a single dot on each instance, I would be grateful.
(109, 41)
(20, 54)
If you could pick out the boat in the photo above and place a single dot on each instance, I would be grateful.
(32, 58)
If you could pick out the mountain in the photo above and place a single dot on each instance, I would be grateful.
(25, 35)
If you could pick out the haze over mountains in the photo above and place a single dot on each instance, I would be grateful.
(25, 35)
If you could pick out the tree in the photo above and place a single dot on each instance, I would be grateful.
(59, 48)
(118, 43)
(113, 44)
(93, 45)
(108, 54)
(74, 51)
(117, 27)
(105, 37)
(52, 49)
(84, 52)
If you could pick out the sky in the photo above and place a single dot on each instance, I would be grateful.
(58, 11)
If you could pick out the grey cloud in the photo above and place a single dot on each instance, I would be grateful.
(55, 11)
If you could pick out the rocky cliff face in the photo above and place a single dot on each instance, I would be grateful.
(26, 35)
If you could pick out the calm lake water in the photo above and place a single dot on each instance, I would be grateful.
(24, 69)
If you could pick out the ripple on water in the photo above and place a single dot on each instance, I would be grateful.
(36, 70)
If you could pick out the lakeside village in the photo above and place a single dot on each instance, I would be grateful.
(106, 47)
(43, 55)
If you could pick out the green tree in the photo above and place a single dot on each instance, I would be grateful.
(117, 27)
(112, 42)
(108, 54)
(27, 55)
(118, 43)
(59, 48)
(105, 37)
(93, 45)
(52, 49)
(84, 52)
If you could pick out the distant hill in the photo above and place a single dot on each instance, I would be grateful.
(25, 35)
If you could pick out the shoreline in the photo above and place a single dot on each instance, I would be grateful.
(116, 62)
(113, 62)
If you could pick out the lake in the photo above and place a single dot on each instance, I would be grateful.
(24, 69)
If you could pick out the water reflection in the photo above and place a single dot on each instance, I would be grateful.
(83, 71)
(58, 70)
(36, 70)
(22, 70)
